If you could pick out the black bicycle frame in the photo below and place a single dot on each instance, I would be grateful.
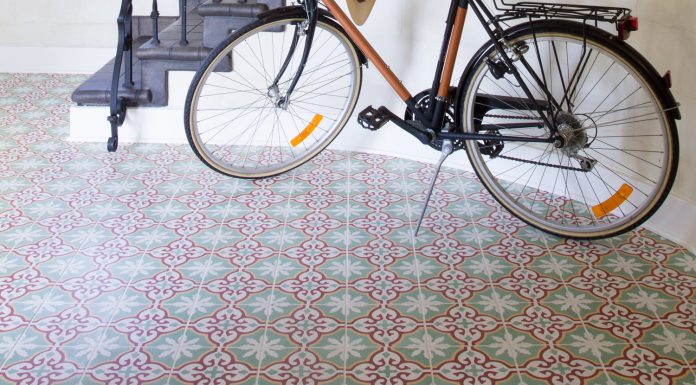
(312, 9)
(495, 33)
(433, 119)
(434, 116)
(487, 20)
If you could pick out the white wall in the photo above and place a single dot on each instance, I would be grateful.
(666, 37)
(34, 36)
(67, 23)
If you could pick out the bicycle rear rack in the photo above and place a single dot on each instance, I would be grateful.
(531, 9)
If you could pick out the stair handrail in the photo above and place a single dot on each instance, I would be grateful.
(124, 51)
(182, 18)
(154, 15)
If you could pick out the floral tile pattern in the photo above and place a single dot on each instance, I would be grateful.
(144, 267)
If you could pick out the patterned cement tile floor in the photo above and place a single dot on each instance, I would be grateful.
(143, 267)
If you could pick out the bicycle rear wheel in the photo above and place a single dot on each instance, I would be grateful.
(238, 119)
(618, 158)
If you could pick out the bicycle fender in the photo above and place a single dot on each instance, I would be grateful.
(665, 94)
(324, 16)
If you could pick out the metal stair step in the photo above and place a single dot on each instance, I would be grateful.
(207, 24)
(96, 91)
(232, 8)
(222, 17)
(170, 46)
(102, 97)
(178, 53)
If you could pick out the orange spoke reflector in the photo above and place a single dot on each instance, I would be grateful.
(307, 131)
(611, 204)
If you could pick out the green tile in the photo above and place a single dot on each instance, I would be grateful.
(43, 303)
(573, 303)
(192, 305)
(613, 379)
(23, 347)
(171, 348)
(428, 348)
(269, 304)
(684, 262)
(344, 348)
(417, 269)
(498, 303)
(487, 267)
(512, 347)
(346, 269)
(669, 341)
(650, 302)
(347, 304)
(626, 266)
(556, 266)
(592, 344)
(261, 348)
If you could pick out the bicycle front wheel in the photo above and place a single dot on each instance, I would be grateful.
(617, 157)
(239, 119)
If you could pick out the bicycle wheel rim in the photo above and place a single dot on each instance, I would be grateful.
(298, 133)
(610, 205)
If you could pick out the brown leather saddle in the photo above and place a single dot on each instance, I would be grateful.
(360, 10)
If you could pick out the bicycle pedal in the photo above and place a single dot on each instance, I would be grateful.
(372, 119)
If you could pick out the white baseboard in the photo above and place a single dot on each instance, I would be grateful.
(142, 125)
(68, 60)
(676, 221)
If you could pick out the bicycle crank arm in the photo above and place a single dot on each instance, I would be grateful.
(374, 119)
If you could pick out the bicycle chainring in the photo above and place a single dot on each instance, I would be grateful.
(423, 102)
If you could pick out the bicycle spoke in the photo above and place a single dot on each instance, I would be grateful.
(605, 173)
(242, 121)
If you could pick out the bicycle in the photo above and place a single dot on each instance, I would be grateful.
(568, 127)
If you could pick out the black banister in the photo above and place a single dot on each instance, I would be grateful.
(124, 51)
(154, 15)
(182, 16)
(124, 57)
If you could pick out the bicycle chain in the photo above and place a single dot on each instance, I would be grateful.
(540, 163)
(513, 117)
(527, 160)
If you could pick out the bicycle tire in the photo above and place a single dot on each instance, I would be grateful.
(604, 215)
(318, 130)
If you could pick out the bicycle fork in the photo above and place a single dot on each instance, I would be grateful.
(306, 28)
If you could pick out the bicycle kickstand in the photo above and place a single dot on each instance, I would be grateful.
(447, 149)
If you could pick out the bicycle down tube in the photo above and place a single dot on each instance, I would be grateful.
(368, 50)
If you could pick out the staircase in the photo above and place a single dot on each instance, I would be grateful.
(146, 68)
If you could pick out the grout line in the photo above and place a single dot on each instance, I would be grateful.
(56, 284)
(276, 274)
(490, 278)
(132, 278)
(200, 285)
(421, 297)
